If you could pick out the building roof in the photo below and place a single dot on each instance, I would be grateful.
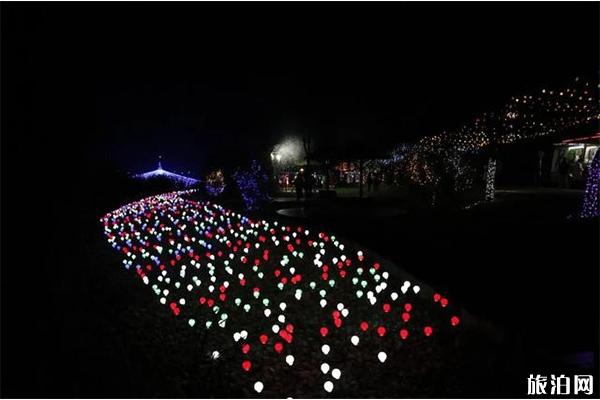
(162, 173)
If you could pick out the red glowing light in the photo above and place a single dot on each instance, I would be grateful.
(386, 308)
(405, 317)
(337, 322)
(246, 365)
(263, 338)
(245, 348)
(278, 347)
(381, 331)
(408, 307)
(454, 320)
(444, 302)
(324, 331)
(403, 334)
(289, 328)
(428, 330)
(364, 326)
(436, 297)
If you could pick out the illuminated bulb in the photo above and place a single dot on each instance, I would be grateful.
(340, 306)
(324, 368)
(394, 296)
(267, 312)
(345, 312)
(215, 354)
(336, 373)
(281, 318)
(192, 322)
(355, 340)
(328, 386)
(325, 349)
(323, 303)
(416, 289)
(282, 306)
(244, 335)
(275, 328)
(382, 356)
(289, 360)
(258, 386)
(236, 336)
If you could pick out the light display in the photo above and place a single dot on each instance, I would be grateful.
(252, 184)
(591, 198)
(525, 117)
(235, 280)
(215, 183)
(490, 180)
(159, 172)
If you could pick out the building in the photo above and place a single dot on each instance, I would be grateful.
(160, 173)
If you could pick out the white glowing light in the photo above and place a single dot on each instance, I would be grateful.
(289, 360)
(324, 368)
(355, 340)
(325, 349)
(382, 356)
(328, 386)
(258, 386)
(416, 289)
(336, 373)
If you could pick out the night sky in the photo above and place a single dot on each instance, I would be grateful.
(218, 84)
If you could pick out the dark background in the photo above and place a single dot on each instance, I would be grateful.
(92, 88)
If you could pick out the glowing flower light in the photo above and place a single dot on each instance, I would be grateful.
(211, 266)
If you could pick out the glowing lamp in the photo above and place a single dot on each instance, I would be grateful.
(428, 330)
(278, 347)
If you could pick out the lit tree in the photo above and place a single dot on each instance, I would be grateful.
(591, 198)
